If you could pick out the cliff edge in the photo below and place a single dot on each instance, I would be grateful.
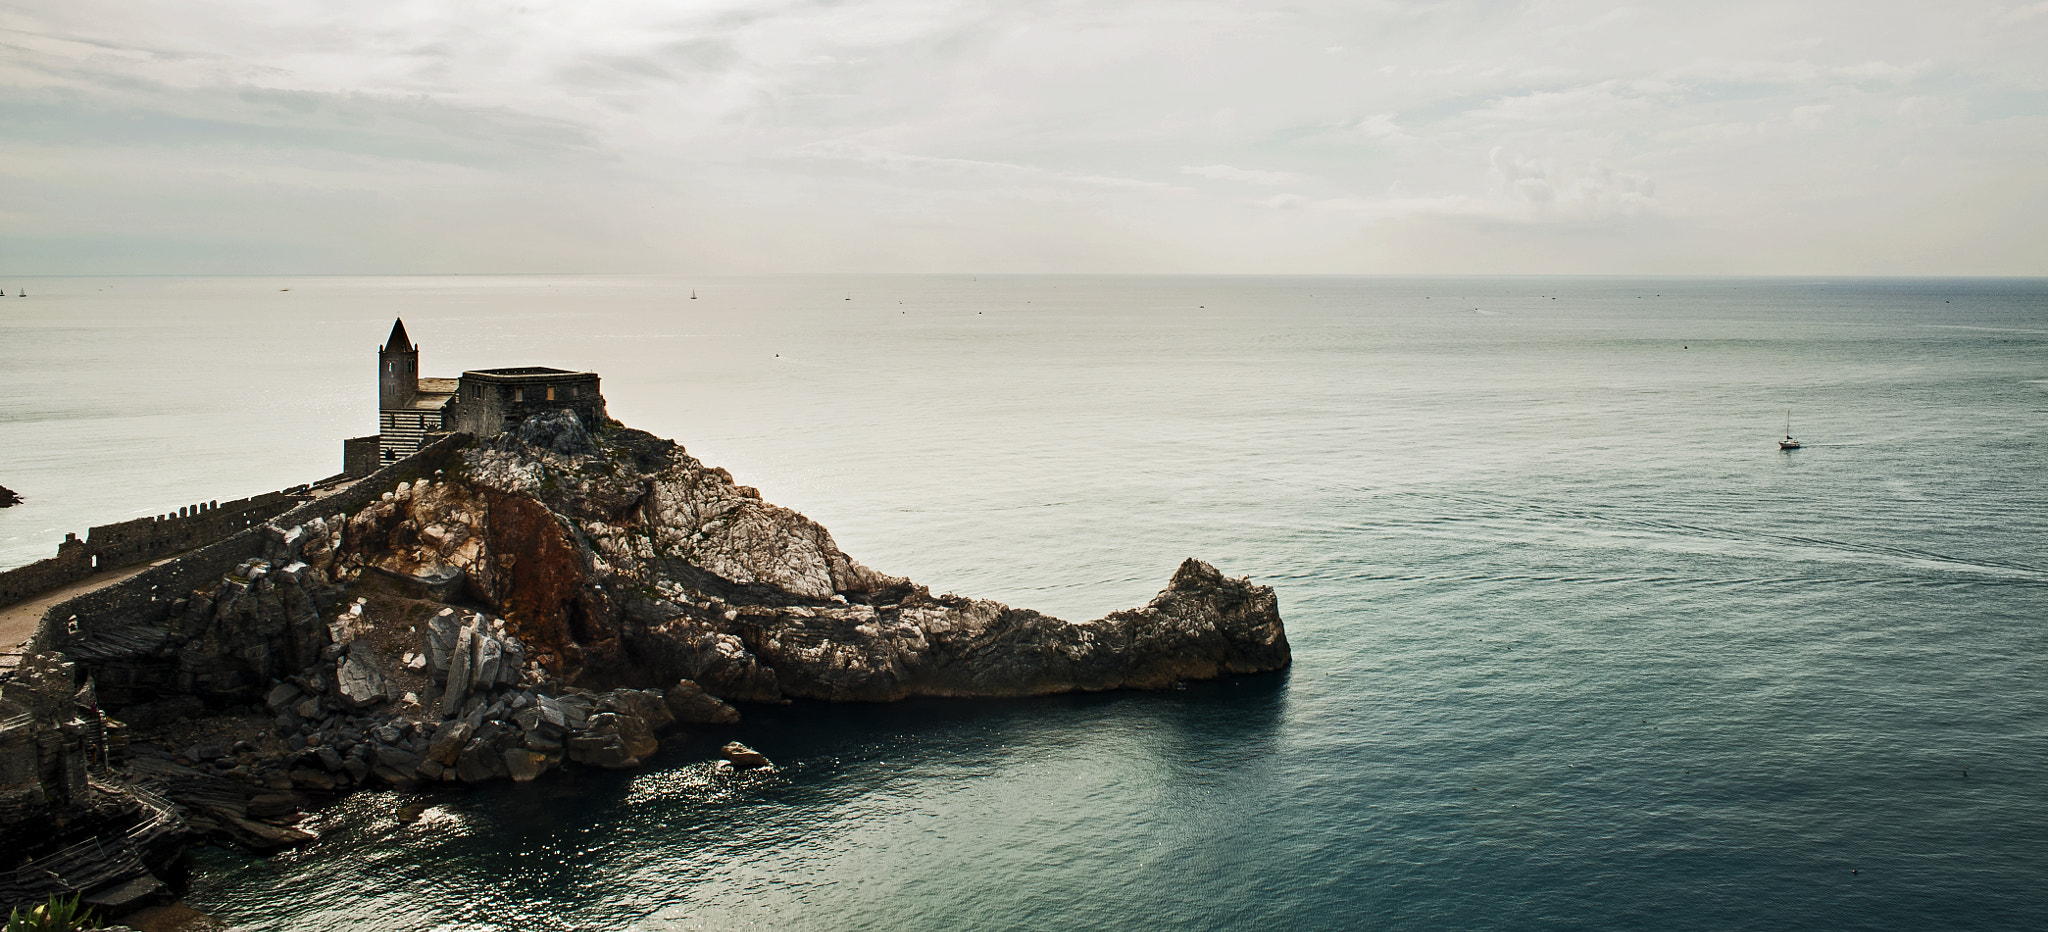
(494, 609)
(617, 559)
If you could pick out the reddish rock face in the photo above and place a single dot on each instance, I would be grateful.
(628, 563)
(540, 582)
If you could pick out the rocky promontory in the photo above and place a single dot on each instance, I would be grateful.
(559, 595)
(8, 497)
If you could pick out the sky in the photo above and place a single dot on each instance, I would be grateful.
(1465, 136)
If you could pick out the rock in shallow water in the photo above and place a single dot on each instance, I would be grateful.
(743, 757)
(689, 704)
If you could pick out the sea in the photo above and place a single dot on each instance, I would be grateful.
(1576, 645)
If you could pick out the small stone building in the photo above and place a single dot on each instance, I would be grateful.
(482, 402)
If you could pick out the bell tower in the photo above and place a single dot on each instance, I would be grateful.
(398, 370)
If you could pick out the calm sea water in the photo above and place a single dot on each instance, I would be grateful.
(1576, 645)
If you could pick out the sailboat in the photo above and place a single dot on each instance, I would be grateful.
(1788, 443)
(693, 294)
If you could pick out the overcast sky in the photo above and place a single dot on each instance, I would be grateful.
(950, 136)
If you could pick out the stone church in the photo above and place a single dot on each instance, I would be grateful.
(481, 402)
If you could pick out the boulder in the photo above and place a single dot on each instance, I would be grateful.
(459, 661)
(523, 764)
(601, 751)
(478, 762)
(513, 661)
(306, 778)
(441, 631)
(359, 677)
(743, 757)
(489, 653)
(402, 762)
(447, 743)
(689, 704)
(282, 696)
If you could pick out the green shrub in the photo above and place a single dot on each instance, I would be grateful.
(57, 915)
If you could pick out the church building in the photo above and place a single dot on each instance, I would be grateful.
(481, 402)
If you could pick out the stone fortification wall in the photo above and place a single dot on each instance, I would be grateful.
(359, 455)
(109, 546)
(145, 598)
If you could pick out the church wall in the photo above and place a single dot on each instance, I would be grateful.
(487, 404)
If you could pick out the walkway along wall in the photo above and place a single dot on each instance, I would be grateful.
(111, 546)
(144, 600)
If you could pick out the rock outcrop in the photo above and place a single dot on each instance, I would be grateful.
(618, 560)
(8, 497)
(560, 595)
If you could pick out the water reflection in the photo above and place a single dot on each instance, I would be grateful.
(868, 806)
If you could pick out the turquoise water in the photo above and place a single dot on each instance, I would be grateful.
(1576, 645)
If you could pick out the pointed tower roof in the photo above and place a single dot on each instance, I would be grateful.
(398, 339)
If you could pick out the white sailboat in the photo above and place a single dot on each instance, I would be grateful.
(1788, 443)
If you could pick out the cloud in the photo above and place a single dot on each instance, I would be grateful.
(1244, 175)
(913, 133)
(845, 151)
(1597, 190)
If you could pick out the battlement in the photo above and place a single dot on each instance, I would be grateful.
(126, 543)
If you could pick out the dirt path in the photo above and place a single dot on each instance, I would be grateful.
(19, 620)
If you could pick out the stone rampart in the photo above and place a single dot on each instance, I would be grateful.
(146, 597)
(125, 543)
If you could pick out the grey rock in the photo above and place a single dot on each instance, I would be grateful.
(601, 751)
(743, 757)
(282, 695)
(396, 766)
(689, 704)
(479, 762)
(513, 662)
(309, 779)
(441, 631)
(448, 742)
(524, 765)
(360, 678)
(396, 758)
(458, 672)
(488, 654)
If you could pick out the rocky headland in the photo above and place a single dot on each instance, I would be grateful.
(8, 497)
(554, 596)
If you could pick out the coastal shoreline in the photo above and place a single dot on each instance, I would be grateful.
(495, 609)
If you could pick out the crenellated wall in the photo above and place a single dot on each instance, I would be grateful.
(111, 546)
(145, 598)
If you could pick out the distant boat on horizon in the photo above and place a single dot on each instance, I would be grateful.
(693, 294)
(1788, 443)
